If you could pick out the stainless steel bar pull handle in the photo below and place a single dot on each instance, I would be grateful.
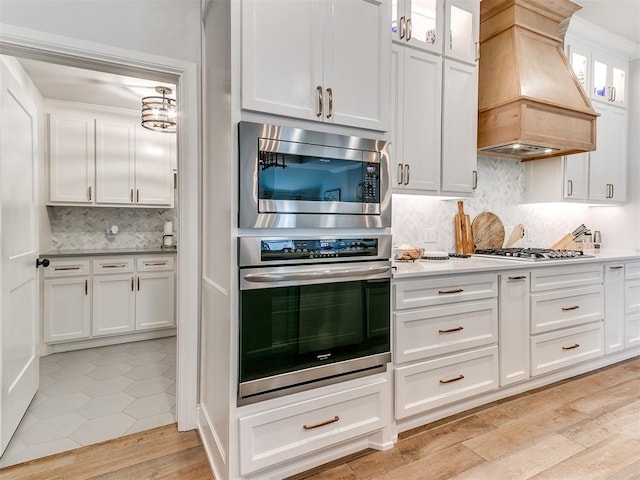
(613, 91)
(402, 26)
(284, 277)
(89, 192)
(449, 330)
(132, 195)
(571, 347)
(320, 101)
(58, 269)
(447, 292)
(569, 187)
(616, 267)
(119, 265)
(475, 180)
(86, 287)
(408, 29)
(454, 379)
(321, 424)
(137, 195)
(155, 264)
(330, 93)
(407, 173)
(572, 307)
(132, 284)
(138, 283)
(518, 277)
(400, 174)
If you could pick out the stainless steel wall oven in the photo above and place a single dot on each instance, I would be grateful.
(312, 312)
(293, 178)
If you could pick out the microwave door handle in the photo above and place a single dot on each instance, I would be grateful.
(285, 277)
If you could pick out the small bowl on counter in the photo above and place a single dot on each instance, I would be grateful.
(407, 253)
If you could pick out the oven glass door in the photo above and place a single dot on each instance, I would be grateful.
(289, 328)
(303, 178)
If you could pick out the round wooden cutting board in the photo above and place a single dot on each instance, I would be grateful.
(488, 231)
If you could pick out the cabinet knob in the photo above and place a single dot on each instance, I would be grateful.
(44, 262)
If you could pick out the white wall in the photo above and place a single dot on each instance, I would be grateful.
(170, 28)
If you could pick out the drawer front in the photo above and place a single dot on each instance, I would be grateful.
(632, 297)
(545, 279)
(112, 265)
(441, 291)
(632, 331)
(441, 330)
(152, 264)
(555, 350)
(431, 384)
(632, 271)
(67, 268)
(554, 310)
(277, 435)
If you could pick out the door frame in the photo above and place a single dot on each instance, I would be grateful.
(23, 42)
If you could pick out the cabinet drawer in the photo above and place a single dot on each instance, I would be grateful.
(632, 331)
(441, 291)
(566, 308)
(427, 385)
(67, 268)
(551, 351)
(152, 264)
(112, 265)
(273, 436)
(447, 329)
(632, 271)
(632, 297)
(544, 279)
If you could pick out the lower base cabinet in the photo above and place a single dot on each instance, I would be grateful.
(86, 298)
(430, 384)
(276, 435)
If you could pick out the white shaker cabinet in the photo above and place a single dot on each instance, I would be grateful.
(459, 128)
(417, 78)
(105, 159)
(514, 327)
(67, 301)
(614, 316)
(155, 293)
(71, 165)
(330, 64)
(113, 308)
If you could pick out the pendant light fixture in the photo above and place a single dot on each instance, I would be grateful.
(159, 113)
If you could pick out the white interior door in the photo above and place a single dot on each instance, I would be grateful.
(18, 252)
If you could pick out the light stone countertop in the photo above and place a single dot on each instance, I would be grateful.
(88, 252)
(473, 264)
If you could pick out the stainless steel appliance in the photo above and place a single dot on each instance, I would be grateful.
(531, 254)
(292, 178)
(312, 312)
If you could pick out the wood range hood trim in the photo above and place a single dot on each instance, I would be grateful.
(530, 102)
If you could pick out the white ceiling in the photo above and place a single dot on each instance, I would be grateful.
(74, 84)
(619, 16)
(100, 88)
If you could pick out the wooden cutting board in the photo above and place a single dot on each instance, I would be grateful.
(488, 231)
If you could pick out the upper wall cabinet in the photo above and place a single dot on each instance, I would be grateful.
(325, 60)
(435, 97)
(106, 160)
(599, 60)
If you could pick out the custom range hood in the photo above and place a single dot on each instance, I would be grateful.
(530, 104)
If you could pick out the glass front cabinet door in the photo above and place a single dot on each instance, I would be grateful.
(418, 23)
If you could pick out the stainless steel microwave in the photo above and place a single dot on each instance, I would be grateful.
(295, 178)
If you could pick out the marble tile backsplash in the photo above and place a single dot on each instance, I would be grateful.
(85, 227)
(501, 190)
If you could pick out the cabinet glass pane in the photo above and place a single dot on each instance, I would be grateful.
(423, 20)
(618, 82)
(579, 64)
(599, 79)
(461, 34)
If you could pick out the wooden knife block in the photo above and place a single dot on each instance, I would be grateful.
(566, 243)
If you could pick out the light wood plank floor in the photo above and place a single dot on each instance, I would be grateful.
(584, 428)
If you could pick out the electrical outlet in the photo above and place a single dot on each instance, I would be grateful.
(430, 235)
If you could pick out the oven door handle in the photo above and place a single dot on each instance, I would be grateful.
(285, 277)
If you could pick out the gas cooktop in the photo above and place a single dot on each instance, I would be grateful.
(531, 254)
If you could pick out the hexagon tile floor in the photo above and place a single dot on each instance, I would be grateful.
(88, 396)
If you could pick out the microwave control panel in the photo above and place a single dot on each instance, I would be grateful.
(296, 249)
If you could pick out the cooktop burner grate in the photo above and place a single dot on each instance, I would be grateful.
(531, 254)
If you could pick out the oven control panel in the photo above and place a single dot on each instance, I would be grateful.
(297, 249)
